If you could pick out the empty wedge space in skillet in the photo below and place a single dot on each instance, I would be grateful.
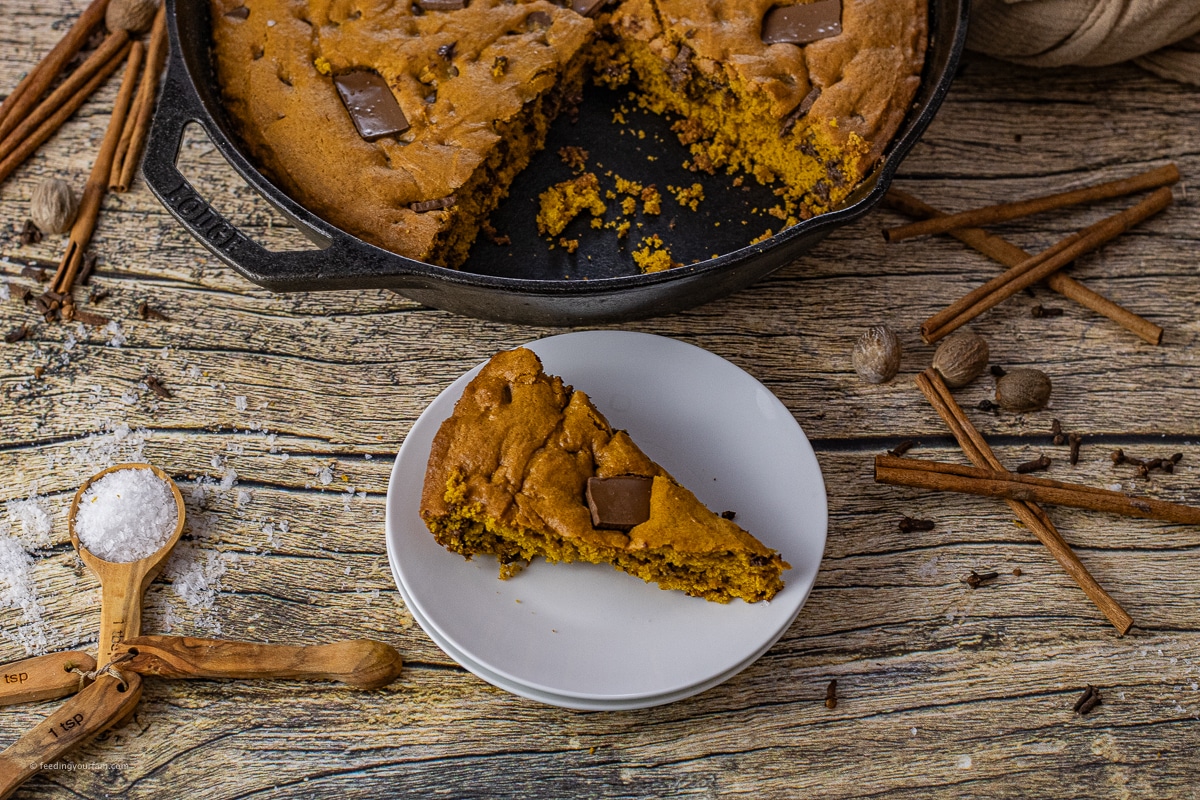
(518, 470)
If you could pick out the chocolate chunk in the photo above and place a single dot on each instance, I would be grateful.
(619, 503)
(371, 104)
(241, 12)
(801, 111)
(442, 5)
(538, 19)
(803, 23)
(587, 8)
(433, 205)
(446, 51)
(680, 68)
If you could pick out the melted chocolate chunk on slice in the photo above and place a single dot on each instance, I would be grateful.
(241, 12)
(372, 106)
(619, 503)
(433, 205)
(587, 8)
(802, 24)
(442, 5)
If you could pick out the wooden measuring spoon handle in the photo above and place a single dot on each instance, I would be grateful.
(93, 710)
(120, 609)
(362, 663)
(45, 677)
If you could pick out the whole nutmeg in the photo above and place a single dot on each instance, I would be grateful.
(960, 358)
(134, 16)
(53, 206)
(877, 355)
(1023, 390)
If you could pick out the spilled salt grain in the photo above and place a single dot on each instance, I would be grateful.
(126, 515)
(17, 591)
(5, 293)
(32, 520)
(117, 336)
(239, 401)
(325, 476)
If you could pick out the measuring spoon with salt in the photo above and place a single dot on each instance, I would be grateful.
(124, 550)
(129, 519)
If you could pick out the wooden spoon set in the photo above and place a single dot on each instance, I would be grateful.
(106, 689)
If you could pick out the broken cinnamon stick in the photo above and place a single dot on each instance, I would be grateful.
(1031, 514)
(34, 140)
(939, 476)
(93, 193)
(1010, 255)
(1002, 212)
(1040, 266)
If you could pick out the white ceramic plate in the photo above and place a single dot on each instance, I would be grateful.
(587, 632)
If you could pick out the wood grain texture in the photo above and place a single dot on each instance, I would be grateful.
(944, 690)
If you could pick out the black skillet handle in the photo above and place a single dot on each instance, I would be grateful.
(359, 265)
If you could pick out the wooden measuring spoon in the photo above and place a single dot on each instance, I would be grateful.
(123, 583)
(361, 663)
(45, 677)
(95, 709)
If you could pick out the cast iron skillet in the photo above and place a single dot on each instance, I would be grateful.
(525, 282)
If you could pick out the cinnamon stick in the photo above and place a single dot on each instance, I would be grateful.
(67, 91)
(1010, 255)
(93, 193)
(47, 129)
(137, 124)
(1031, 514)
(27, 93)
(939, 476)
(1040, 266)
(1002, 212)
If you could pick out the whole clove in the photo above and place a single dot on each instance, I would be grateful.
(1075, 440)
(1040, 463)
(85, 272)
(145, 311)
(36, 273)
(1118, 457)
(831, 694)
(902, 448)
(157, 387)
(1089, 700)
(97, 295)
(977, 579)
(20, 293)
(908, 525)
(1057, 431)
(988, 405)
(17, 334)
(88, 318)
(30, 234)
(1040, 312)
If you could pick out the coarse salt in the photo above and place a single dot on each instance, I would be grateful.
(126, 515)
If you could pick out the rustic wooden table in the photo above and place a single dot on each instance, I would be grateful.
(943, 690)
